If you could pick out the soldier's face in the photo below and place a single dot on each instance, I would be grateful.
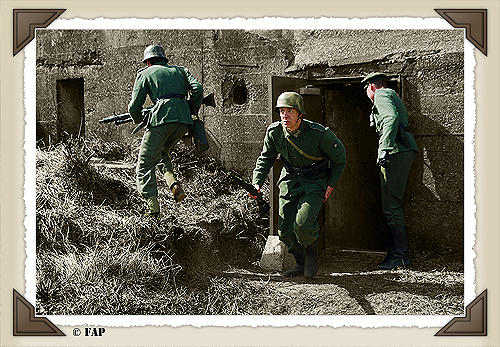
(370, 92)
(290, 118)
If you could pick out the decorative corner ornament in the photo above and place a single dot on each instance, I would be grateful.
(25, 322)
(473, 21)
(25, 23)
(473, 324)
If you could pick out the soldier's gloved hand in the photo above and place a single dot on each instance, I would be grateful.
(329, 191)
(258, 191)
(383, 159)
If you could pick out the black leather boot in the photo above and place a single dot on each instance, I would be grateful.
(298, 269)
(401, 256)
(178, 192)
(390, 251)
(311, 260)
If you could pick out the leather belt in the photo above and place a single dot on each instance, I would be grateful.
(171, 96)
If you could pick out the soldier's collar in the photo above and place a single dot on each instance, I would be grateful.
(297, 132)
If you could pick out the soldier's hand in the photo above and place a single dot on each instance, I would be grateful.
(383, 159)
(329, 191)
(258, 191)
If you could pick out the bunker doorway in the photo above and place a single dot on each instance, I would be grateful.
(352, 218)
(70, 108)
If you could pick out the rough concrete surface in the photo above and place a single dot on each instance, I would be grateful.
(275, 255)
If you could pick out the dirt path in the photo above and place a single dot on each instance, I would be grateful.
(350, 284)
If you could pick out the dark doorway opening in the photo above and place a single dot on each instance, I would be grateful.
(352, 218)
(70, 108)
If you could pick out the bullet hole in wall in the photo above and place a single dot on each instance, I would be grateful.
(239, 94)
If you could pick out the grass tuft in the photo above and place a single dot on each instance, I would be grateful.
(98, 254)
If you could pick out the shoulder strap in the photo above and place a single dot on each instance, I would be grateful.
(299, 150)
(304, 153)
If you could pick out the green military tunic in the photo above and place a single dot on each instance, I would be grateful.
(300, 197)
(167, 87)
(388, 112)
(169, 119)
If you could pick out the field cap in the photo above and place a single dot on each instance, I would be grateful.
(374, 76)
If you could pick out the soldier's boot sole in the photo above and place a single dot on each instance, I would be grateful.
(297, 270)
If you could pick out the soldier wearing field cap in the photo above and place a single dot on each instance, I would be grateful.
(167, 87)
(397, 150)
(313, 161)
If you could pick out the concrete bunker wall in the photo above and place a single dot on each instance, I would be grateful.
(107, 61)
(430, 64)
(236, 65)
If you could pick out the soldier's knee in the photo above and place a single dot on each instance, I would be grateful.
(307, 227)
(304, 216)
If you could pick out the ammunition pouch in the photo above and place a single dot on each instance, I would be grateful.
(315, 170)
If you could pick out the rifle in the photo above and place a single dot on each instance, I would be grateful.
(261, 203)
(208, 100)
(126, 118)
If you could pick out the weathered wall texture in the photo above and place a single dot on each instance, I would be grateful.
(431, 66)
(107, 60)
(236, 65)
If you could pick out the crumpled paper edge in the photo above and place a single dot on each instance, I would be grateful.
(249, 24)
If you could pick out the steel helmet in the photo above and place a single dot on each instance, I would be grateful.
(154, 51)
(291, 99)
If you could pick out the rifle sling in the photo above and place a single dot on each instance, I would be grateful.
(308, 156)
(304, 153)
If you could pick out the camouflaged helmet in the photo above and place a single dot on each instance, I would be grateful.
(154, 51)
(290, 99)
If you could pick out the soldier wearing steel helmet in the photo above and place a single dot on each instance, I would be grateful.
(313, 161)
(167, 87)
(396, 152)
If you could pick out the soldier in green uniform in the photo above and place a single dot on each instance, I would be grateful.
(167, 87)
(396, 152)
(314, 160)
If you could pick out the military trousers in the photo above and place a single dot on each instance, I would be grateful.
(154, 153)
(393, 180)
(297, 221)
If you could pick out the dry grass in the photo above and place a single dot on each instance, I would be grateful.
(98, 254)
